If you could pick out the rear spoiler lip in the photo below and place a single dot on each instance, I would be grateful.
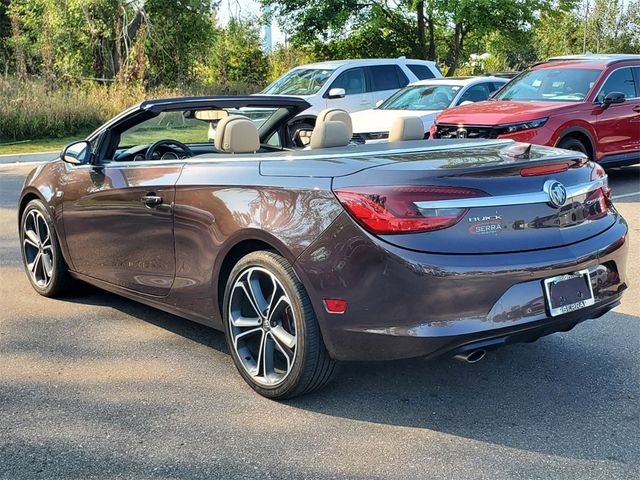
(540, 196)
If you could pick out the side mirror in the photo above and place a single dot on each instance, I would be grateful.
(77, 153)
(337, 93)
(379, 102)
(612, 98)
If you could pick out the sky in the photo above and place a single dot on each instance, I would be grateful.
(229, 8)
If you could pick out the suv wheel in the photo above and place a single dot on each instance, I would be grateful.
(573, 144)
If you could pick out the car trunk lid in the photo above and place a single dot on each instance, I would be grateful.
(482, 200)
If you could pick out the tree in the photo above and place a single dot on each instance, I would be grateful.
(284, 58)
(5, 38)
(418, 28)
(180, 35)
(74, 39)
(598, 26)
(237, 54)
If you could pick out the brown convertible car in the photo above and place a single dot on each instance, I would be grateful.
(204, 207)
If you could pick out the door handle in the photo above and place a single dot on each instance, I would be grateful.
(636, 108)
(151, 200)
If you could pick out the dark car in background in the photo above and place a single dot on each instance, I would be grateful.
(339, 252)
(586, 103)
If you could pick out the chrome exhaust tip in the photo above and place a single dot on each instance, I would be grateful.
(471, 357)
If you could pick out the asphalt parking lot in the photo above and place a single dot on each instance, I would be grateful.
(96, 386)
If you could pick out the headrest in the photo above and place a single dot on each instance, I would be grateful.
(329, 134)
(406, 128)
(336, 115)
(237, 134)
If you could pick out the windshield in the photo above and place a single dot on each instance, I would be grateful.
(422, 97)
(185, 127)
(301, 81)
(551, 84)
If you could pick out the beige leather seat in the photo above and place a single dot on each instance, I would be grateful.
(336, 115)
(329, 134)
(237, 134)
(406, 128)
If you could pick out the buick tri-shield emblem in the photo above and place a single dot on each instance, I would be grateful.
(461, 133)
(556, 192)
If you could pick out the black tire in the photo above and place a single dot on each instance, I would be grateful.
(58, 279)
(573, 144)
(311, 367)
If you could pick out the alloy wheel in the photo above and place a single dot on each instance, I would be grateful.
(37, 248)
(262, 326)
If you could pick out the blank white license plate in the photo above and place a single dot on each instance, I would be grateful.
(567, 293)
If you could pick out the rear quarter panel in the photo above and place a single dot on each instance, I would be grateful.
(218, 206)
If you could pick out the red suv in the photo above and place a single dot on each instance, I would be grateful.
(588, 103)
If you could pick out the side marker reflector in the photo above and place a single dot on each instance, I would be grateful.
(335, 305)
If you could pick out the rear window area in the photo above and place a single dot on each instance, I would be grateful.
(387, 77)
(421, 71)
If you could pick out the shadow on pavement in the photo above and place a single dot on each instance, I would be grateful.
(568, 394)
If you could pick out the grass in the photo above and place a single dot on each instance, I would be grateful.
(50, 119)
(41, 144)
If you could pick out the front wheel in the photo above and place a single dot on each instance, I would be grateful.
(573, 144)
(41, 254)
(271, 328)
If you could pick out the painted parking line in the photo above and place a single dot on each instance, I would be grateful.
(26, 164)
(624, 195)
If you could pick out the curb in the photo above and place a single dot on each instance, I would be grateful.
(28, 157)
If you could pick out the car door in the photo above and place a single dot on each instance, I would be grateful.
(357, 97)
(618, 125)
(118, 221)
(385, 81)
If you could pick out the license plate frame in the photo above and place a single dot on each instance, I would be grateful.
(568, 287)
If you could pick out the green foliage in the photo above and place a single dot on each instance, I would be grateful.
(70, 39)
(284, 58)
(5, 37)
(180, 35)
(237, 54)
(350, 28)
(146, 48)
(28, 110)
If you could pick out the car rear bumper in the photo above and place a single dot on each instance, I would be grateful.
(403, 304)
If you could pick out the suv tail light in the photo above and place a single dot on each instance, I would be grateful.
(393, 210)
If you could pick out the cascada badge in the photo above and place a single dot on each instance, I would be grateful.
(486, 224)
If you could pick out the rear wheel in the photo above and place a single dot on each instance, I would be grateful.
(271, 328)
(573, 144)
(41, 254)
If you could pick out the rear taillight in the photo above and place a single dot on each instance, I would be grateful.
(544, 169)
(552, 168)
(598, 173)
(596, 204)
(393, 210)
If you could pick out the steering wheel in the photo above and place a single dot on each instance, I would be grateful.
(155, 145)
